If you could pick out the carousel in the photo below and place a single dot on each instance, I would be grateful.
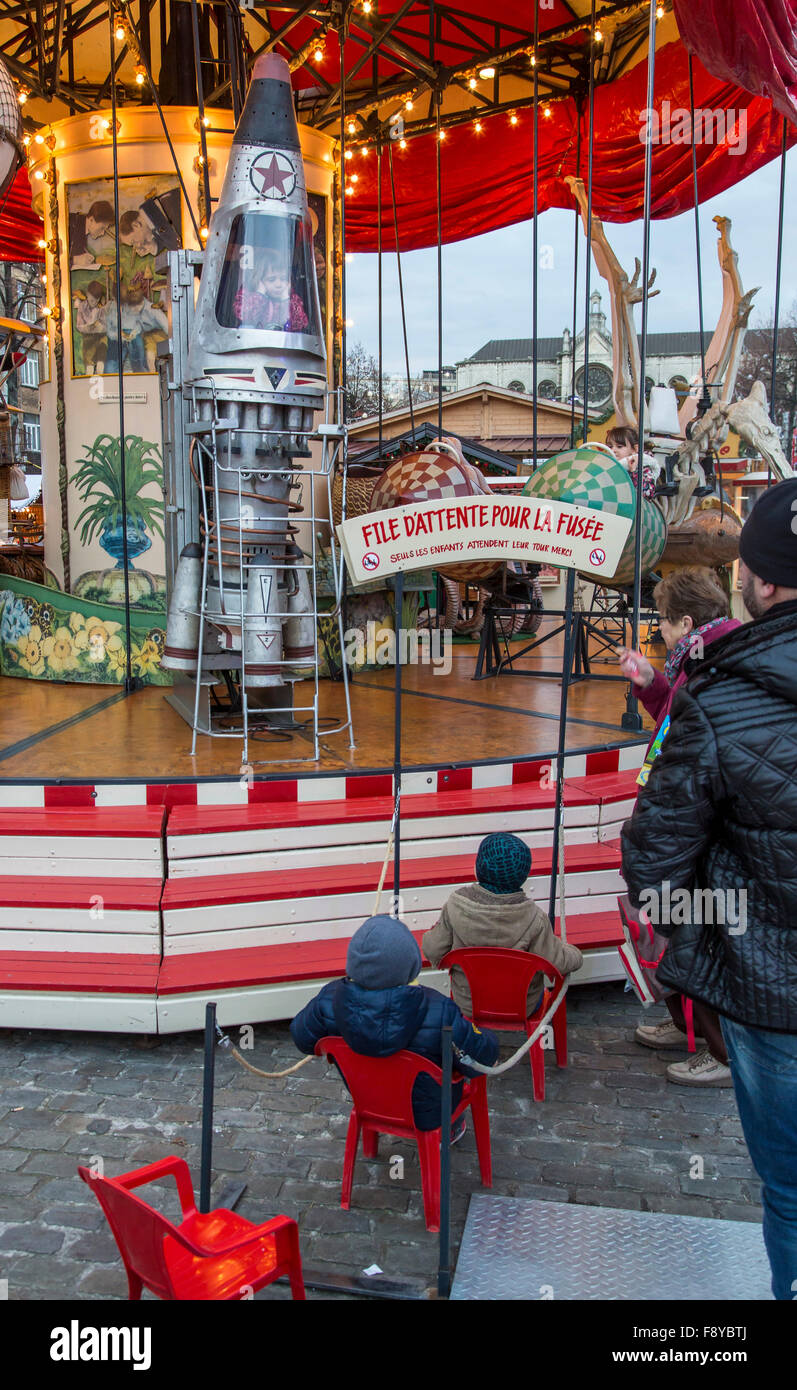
(194, 714)
(207, 779)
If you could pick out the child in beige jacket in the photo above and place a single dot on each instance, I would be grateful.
(496, 912)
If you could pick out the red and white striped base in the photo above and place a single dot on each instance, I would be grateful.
(129, 906)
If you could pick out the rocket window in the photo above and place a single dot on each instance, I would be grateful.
(268, 280)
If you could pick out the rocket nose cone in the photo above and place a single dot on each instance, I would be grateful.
(271, 67)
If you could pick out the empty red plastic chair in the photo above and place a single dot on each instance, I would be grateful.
(217, 1255)
(499, 981)
(381, 1091)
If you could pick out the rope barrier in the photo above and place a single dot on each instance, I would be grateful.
(462, 1056)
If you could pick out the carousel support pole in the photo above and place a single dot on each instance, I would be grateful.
(705, 398)
(534, 235)
(208, 1077)
(401, 291)
(130, 682)
(380, 346)
(631, 718)
(567, 662)
(774, 377)
(200, 101)
(438, 96)
(398, 598)
(575, 296)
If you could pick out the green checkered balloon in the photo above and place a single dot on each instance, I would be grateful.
(588, 477)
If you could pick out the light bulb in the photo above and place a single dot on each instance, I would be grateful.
(42, 244)
(206, 121)
(22, 96)
(471, 82)
(513, 119)
(120, 32)
(140, 77)
(477, 126)
(39, 174)
(44, 279)
(598, 36)
(347, 154)
(355, 178)
(442, 135)
(349, 190)
(47, 310)
(366, 149)
(408, 105)
(351, 127)
(26, 141)
(318, 55)
(203, 231)
(546, 111)
(367, 6)
(659, 11)
(39, 139)
(402, 144)
(486, 72)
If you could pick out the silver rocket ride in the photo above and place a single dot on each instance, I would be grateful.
(256, 374)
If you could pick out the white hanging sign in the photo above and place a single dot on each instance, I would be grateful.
(431, 534)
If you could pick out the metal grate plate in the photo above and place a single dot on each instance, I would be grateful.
(516, 1248)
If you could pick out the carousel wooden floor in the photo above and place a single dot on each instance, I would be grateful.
(96, 732)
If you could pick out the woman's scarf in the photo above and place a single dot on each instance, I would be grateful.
(685, 647)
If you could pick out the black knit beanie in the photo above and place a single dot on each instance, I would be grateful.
(768, 543)
(503, 863)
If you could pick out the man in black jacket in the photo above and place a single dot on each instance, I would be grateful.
(715, 832)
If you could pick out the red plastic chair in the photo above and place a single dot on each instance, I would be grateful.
(381, 1089)
(499, 982)
(214, 1256)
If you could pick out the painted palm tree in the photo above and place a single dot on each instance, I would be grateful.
(99, 478)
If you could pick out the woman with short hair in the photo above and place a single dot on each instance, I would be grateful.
(694, 612)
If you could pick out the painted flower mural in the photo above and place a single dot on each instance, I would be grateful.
(60, 638)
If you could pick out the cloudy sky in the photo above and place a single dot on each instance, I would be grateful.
(487, 280)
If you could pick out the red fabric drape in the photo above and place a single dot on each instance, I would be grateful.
(752, 42)
(20, 228)
(487, 178)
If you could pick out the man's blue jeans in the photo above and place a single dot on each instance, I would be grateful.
(764, 1068)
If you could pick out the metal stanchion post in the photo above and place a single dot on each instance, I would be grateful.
(206, 1159)
(444, 1264)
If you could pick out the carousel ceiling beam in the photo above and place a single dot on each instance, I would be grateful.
(393, 46)
(278, 36)
(371, 50)
(275, 36)
(400, 90)
(39, 26)
(58, 39)
(480, 44)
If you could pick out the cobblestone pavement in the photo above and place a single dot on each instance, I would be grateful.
(611, 1132)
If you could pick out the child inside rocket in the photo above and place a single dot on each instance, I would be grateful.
(272, 304)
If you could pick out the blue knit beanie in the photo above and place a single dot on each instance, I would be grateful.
(383, 953)
(503, 863)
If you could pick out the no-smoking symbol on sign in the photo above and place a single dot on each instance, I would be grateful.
(370, 561)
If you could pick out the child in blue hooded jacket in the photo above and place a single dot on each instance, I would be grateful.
(378, 1012)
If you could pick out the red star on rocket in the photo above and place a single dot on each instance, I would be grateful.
(273, 177)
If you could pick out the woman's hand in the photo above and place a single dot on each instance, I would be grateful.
(636, 668)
